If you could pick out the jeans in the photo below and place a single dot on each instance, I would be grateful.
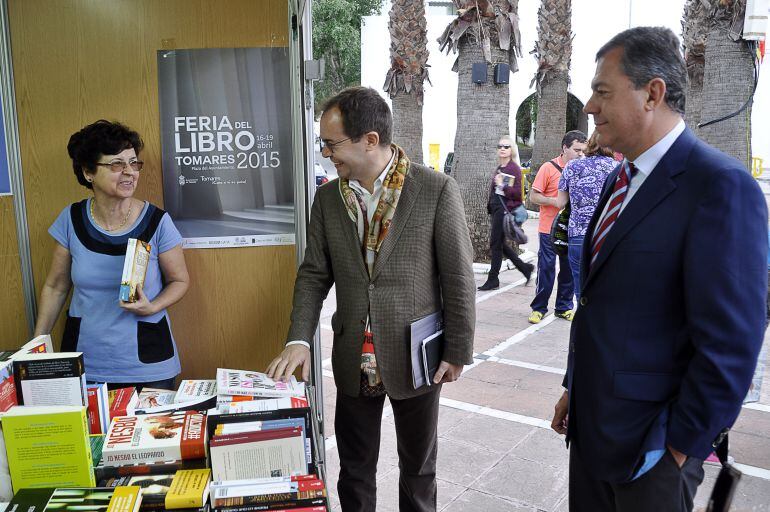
(546, 274)
(574, 253)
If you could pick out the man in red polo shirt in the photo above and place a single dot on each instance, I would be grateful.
(545, 188)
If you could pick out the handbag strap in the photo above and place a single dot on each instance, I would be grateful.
(503, 203)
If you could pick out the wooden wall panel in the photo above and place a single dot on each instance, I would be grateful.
(76, 61)
(13, 317)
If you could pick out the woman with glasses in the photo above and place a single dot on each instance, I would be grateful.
(504, 195)
(123, 344)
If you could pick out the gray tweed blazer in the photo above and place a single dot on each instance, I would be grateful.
(424, 265)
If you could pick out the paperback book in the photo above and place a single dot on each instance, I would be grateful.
(251, 383)
(151, 397)
(50, 379)
(155, 438)
(121, 499)
(134, 269)
(104, 473)
(193, 390)
(48, 447)
(254, 405)
(123, 401)
(98, 408)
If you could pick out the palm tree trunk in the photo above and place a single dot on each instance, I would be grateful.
(728, 80)
(408, 70)
(553, 51)
(551, 120)
(407, 125)
(482, 118)
(694, 105)
(695, 27)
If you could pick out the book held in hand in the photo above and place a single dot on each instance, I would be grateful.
(134, 269)
(427, 346)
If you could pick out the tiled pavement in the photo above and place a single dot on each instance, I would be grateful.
(496, 452)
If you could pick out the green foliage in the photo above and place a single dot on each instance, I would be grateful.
(526, 115)
(337, 39)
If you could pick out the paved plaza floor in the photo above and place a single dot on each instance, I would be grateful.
(496, 450)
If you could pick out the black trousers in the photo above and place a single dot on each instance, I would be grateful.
(498, 247)
(664, 488)
(357, 423)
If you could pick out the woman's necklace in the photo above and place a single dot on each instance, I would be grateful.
(125, 219)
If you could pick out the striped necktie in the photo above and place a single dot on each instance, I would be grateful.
(613, 209)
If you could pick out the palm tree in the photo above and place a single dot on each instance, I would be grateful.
(728, 81)
(695, 26)
(408, 70)
(484, 31)
(553, 51)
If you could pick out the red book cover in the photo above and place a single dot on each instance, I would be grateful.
(123, 401)
(153, 438)
(249, 437)
(94, 425)
(7, 387)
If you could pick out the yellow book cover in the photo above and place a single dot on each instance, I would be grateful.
(48, 446)
(189, 489)
(126, 499)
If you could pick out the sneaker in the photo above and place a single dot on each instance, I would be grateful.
(567, 315)
(535, 317)
(489, 285)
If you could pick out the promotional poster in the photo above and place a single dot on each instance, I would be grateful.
(225, 124)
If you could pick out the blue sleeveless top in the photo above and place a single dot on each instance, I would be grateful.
(117, 345)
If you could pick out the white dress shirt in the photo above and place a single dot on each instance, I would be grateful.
(645, 163)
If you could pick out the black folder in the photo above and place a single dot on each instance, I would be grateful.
(427, 346)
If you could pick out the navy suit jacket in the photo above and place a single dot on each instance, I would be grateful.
(672, 315)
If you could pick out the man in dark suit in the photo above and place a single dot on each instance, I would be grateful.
(671, 314)
(391, 235)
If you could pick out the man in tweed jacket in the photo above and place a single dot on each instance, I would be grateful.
(423, 265)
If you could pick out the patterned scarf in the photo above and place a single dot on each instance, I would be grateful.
(386, 208)
(371, 234)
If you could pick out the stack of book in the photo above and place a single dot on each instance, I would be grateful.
(239, 443)
(304, 493)
(250, 391)
(265, 459)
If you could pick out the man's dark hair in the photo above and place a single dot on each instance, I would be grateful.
(572, 136)
(652, 52)
(87, 146)
(363, 110)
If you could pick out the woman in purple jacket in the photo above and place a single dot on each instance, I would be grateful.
(504, 194)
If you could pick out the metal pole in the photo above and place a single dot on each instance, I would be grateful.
(300, 28)
(10, 119)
